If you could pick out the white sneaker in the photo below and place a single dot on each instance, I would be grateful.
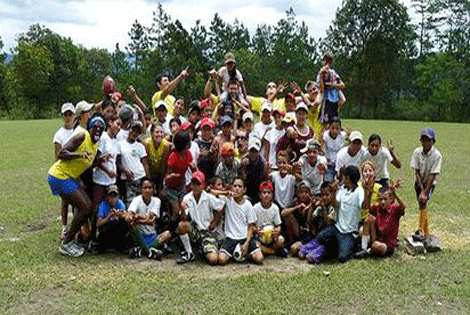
(71, 249)
(413, 247)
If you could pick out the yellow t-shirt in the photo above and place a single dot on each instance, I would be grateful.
(374, 198)
(155, 156)
(169, 100)
(63, 169)
(257, 102)
(315, 123)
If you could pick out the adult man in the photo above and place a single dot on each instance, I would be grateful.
(165, 88)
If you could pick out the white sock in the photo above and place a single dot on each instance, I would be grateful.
(365, 241)
(186, 243)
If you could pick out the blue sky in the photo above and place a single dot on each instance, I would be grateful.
(103, 23)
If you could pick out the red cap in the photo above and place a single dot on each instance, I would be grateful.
(280, 112)
(117, 95)
(228, 149)
(200, 177)
(207, 122)
(206, 102)
(266, 185)
(186, 125)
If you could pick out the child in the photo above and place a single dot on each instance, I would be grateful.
(198, 222)
(253, 169)
(240, 223)
(111, 222)
(272, 138)
(379, 156)
(144, 211)
(225, 135)
(333, 140)
(312, 165)
(229, 167)
(383, 223)
(284, 181)
(227, 73)
(60, 139)
(426, 162)
(205, 163)
(133, 161)
(323, 216)
(295, 218)
(348, 203)
(353, 154)
(268, 222)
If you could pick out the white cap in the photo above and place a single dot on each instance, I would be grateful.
(355, 135)
(160, 104)
(247, 115)
(254, 143)
(68, 107)
(83, 106)
(266, 106)
(301, 105)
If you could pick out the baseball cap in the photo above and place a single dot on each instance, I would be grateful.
(304, 184)
(254, 143)
(200, 177)
(207, 122)
(289, 117)
(160, 104)
(355, 135)
(229, 57)
(311, 144)
(247, 115)
(279, 111)
(137, 123)
(328, 55)
(227, 149)
(428, 132)
(194, 108)
(266, 185)
(266, 106)
(68, 107)
(300, 106)
(112, 189)
(186, 125)
(126, 112)
(206, 102)
(226, 120)
(82, 106)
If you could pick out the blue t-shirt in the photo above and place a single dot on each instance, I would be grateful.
(105, 208)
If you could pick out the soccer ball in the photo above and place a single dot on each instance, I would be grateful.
(109, 86)
(267, 234)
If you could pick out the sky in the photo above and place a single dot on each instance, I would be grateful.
(103, 23)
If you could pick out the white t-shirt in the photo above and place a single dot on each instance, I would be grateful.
(202, 212)
(284, 189)
(311, 173)
(380, 162)
(268, 216)
(349, 212)
(427, 164)
(273, 136)
(166, 124)
(332, 146)
(237, 218)
(62, 136)
(131, 156)
(260, 129)
(122, 135)
(344, 159)
(110, 146)
(139, 207)
(223, 74)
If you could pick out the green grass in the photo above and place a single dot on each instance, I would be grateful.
(35, 278)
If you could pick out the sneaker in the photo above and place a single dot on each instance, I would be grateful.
(418, 236)
(135, 252)
(283, 252)
(167, 249)
(185, 258)
(432, 244)
(362, 253)
(155, 253)
(93, 247)
(413, 247)
(71, 249)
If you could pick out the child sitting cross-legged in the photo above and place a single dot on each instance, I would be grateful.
(323, 216)
(381, 227)
(268, 222)
(201, 212)
(144, 211)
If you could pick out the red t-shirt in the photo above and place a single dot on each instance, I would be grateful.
(387, 223)
(179, 166)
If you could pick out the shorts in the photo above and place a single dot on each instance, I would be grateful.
(173, 195)
(133, 190)
(229, 246)
(207, 241)
(329, 111)
(62, 187)
(418, 190)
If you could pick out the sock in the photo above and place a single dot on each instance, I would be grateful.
(365, 241)
(186, 243)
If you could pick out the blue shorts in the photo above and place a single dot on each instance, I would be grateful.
(62, 186)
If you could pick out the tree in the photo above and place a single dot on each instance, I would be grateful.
(429, 24)
(372, 39)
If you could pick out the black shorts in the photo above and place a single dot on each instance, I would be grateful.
(331, 110)
(418, 190)
(229, 245)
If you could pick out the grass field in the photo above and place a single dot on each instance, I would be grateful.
(35, 278)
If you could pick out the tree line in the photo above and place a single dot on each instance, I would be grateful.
(393, 68)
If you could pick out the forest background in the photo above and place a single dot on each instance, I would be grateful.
(392, 68)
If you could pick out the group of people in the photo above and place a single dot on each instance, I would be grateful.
(214, 182)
